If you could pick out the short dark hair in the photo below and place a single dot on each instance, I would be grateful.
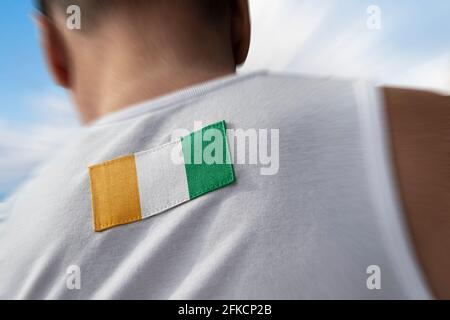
(41, 6)
(212, 8)
(44, 6)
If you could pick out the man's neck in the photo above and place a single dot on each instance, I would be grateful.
(121, 93)
(117, 93)
(114, 72)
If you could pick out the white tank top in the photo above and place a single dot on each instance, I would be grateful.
(326, 224)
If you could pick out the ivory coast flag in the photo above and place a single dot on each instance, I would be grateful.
(141, 185)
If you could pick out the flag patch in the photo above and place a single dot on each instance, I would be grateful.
(147, 183)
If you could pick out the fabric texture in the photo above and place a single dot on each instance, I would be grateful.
(162, 184)
(206, 175)
(115, 195)
(309, 231)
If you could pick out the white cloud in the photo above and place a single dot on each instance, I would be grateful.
(52, 107)
(433, 75)
(23, 146)
(280, 28)
(311, 37)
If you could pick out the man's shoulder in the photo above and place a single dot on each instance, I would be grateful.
(419, 125)
(281, 97)
(278, 84)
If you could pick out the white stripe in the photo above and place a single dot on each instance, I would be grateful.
(162, 183)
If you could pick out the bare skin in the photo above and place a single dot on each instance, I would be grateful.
(112, 63)
(420, 134)
(106, 73)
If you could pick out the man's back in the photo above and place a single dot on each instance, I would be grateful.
(310, 227)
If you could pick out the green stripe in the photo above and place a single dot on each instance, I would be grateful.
(207, 163)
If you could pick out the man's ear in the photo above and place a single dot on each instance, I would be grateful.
(240, 30)
(54, 50)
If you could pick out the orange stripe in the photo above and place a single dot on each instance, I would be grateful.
(115, 193)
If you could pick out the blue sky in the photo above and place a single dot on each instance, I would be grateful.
(325, 37)
(22, 67)
(35, 115)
